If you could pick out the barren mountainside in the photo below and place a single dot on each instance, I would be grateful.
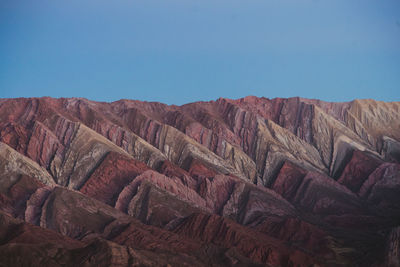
(247, 182)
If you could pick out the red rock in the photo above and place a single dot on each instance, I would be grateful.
(288, 180)
(111, 176)
(357, 170)
(221, 231)
(298, 233)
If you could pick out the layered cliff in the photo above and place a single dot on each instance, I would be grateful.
(253, 181)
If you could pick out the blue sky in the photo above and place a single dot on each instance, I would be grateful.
(181, 51)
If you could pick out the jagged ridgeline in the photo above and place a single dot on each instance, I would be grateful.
(247, 182)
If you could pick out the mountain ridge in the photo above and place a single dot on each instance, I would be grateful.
(318, 182)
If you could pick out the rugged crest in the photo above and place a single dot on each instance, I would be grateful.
(247, 182)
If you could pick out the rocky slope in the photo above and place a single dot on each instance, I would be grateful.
(247, 182)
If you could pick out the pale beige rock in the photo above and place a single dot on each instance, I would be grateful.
(13, 164)
(86, 151)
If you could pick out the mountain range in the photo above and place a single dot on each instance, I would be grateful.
(246, 182)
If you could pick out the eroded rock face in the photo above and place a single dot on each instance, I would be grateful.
(247, 182)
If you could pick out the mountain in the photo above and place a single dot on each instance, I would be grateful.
(247, 182)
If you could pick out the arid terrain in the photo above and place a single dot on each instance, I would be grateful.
(247, 182)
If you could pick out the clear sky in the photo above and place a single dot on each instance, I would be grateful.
(179, 51)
